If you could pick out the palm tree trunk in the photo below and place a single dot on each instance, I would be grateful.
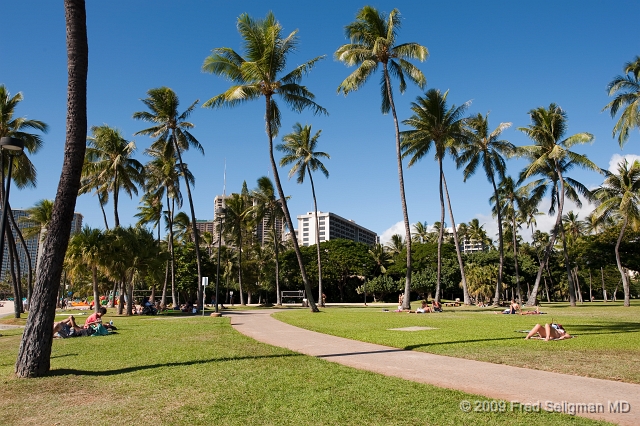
(240, 267)
(96, 294)
(546, 287)
(104, 214)
(565, 252)
(604, 290)
(276, 243)
(174, 298)
(465, 291)
(441, 235)
(515, 258)
(285, 208)
(116, 218)
(500, 237)
(35, 348)
(315, 209)
(193, 220)
(17, 290)
(406, 304)
(112, 302)
(163, 300)
(623, 274)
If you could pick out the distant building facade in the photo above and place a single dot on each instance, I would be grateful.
(34, 244)
(331, 227)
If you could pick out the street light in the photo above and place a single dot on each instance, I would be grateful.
(219, 213)
(14, 147)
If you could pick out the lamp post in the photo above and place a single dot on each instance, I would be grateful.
(14, 147)
(219, 213)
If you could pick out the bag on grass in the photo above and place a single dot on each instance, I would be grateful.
(99, 330)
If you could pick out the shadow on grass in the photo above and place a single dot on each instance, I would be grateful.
(67, 371)
(424, 345)
(607, 328)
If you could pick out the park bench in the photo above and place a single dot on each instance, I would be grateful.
(294, 294)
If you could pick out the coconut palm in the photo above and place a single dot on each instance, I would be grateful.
(396, 245)
(420, 232)
(269, 208)
(485, 148)
(183, 231)
(436, 125)
(627, 91)
(172, 132)
(150, 211)
(372, 42)
(619, 195)
(86, 248)
(299, 150)
(109, 166)
(258, 74)
(549, 155)
(508, 201)
(381, 258)
(35, 348)
(238, 220)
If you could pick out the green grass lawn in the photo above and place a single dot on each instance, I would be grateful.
(195, 370)
(607, 343)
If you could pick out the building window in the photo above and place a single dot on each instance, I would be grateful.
(306, 234)
(322, 228)
(305, 229)
(305, 219)
(305, 239)
(321, 232)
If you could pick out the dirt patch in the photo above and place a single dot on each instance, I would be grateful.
(414, 328)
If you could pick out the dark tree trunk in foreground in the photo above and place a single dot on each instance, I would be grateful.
(35, 348)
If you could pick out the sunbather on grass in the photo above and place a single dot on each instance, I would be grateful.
(549, 332)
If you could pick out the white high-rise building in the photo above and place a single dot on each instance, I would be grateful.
(331, 227)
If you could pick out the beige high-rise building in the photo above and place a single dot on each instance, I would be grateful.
(331, 227)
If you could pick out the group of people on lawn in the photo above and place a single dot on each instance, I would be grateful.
(424, 307)
(93, 325)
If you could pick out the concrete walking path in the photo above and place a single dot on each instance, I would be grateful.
(553, 391)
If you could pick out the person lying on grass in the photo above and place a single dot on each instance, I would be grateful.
(69, 328)
(424, 309)
(549, 332)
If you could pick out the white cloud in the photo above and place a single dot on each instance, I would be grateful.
(397, 228)
(617, 159)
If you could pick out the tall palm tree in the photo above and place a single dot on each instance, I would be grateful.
(35, 348)
(550, 154)
(627, 91)
(619, 195)
(172, 132)
(299, 150)
(86, 248)
(109, 166)
(150, 211)
(258, 74)
(485, 148)
(507, 202)
(372, 42)
(436, 125)
(268, 208)
(238, 220)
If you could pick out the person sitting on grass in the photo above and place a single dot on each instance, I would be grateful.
(513, 309)
(424, 309)
(96, 317)
(69, 328)
(436, 306)
(549, 332)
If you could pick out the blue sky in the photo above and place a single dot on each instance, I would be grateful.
(507, 57)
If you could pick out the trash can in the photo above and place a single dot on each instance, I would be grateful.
(305, 303)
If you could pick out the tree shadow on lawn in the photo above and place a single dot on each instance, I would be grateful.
(67, 371)
(424, 345)
(606, 328)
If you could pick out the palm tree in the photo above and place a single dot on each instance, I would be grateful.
(109, 166)
(257, 75)
(238, 220)
(396, 244)
(183, 231)
(619, 195)
(436, 125)
(86, 248)
(627, 88)
(381, 258)
(372, 39)
(150, 211)
(486, 149)
(172, 132)
(35, 348)
(550, 154)
(420, 232)
(507, 202)
(270, 208)
(299, 150)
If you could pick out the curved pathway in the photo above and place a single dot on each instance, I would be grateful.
(515, 384)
